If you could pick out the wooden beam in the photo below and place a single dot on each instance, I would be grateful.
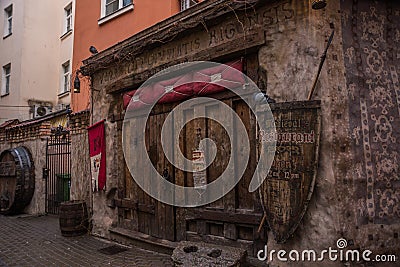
(134, 205)
(134, 80)
(229, 217)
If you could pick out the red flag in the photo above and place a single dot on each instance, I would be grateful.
(97, 153)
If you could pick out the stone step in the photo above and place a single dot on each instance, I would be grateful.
(199, 254)
(144, 241)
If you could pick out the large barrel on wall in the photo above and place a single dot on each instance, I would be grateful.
(17, 180)
(74, 220)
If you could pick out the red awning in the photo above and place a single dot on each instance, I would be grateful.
(201, 82)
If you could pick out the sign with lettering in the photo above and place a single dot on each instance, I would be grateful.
(199, 168)
(290, 182)
(236, 31)
(7, 168)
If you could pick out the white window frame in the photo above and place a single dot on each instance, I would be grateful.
(65, 77)
(8, 17)
(68, 18)
(121, 9)
(6, 78)
(185, 4)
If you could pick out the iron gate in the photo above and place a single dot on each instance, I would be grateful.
(58, 169)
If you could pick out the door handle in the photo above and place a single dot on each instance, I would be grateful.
(166, 175)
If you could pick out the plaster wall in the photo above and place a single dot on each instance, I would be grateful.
(90, 33)
(11, 52)
(36, 53)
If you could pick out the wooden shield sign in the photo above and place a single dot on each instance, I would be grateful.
(289, 184)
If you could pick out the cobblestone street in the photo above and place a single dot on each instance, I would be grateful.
(37, 241)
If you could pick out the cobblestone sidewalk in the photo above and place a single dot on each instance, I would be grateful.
(37, 241)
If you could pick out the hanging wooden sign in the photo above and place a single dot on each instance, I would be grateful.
(289, 184)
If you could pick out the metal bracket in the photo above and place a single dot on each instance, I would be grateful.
(45, 173)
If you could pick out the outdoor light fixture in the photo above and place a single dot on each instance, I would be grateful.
(318, 4)
(263, 98)
(77, 83)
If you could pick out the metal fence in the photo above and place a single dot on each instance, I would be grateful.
(58, 169)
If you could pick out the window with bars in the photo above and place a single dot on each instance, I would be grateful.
(65, 78)
(5, 88)
(8, 17)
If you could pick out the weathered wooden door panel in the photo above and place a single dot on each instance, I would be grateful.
(233, 219)
(128, 208)
(148, 215)
(243, 199)
(218, 134)
(166, 214)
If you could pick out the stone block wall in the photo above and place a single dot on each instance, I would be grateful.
(80, 161)
(290, 58)
(356, 195)
(34, 138)
(106, 216)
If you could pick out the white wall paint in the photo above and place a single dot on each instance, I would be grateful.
(36, 52)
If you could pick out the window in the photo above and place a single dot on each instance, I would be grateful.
(185, 4)
(111, 9)
(5, 88)
(112, 6)
(8, 12)
(65, 78)
(68, 18)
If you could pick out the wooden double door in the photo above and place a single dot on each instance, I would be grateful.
(231, 220)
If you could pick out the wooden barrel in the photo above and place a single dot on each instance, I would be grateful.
(17, 180)
(74, 219)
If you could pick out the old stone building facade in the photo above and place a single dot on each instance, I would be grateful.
(356, 195)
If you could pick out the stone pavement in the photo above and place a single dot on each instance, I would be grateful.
(37, 241)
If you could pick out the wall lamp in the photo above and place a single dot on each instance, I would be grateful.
(318, 4)
(77, 83)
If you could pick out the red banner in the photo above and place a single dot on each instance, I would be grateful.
(97, 153)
